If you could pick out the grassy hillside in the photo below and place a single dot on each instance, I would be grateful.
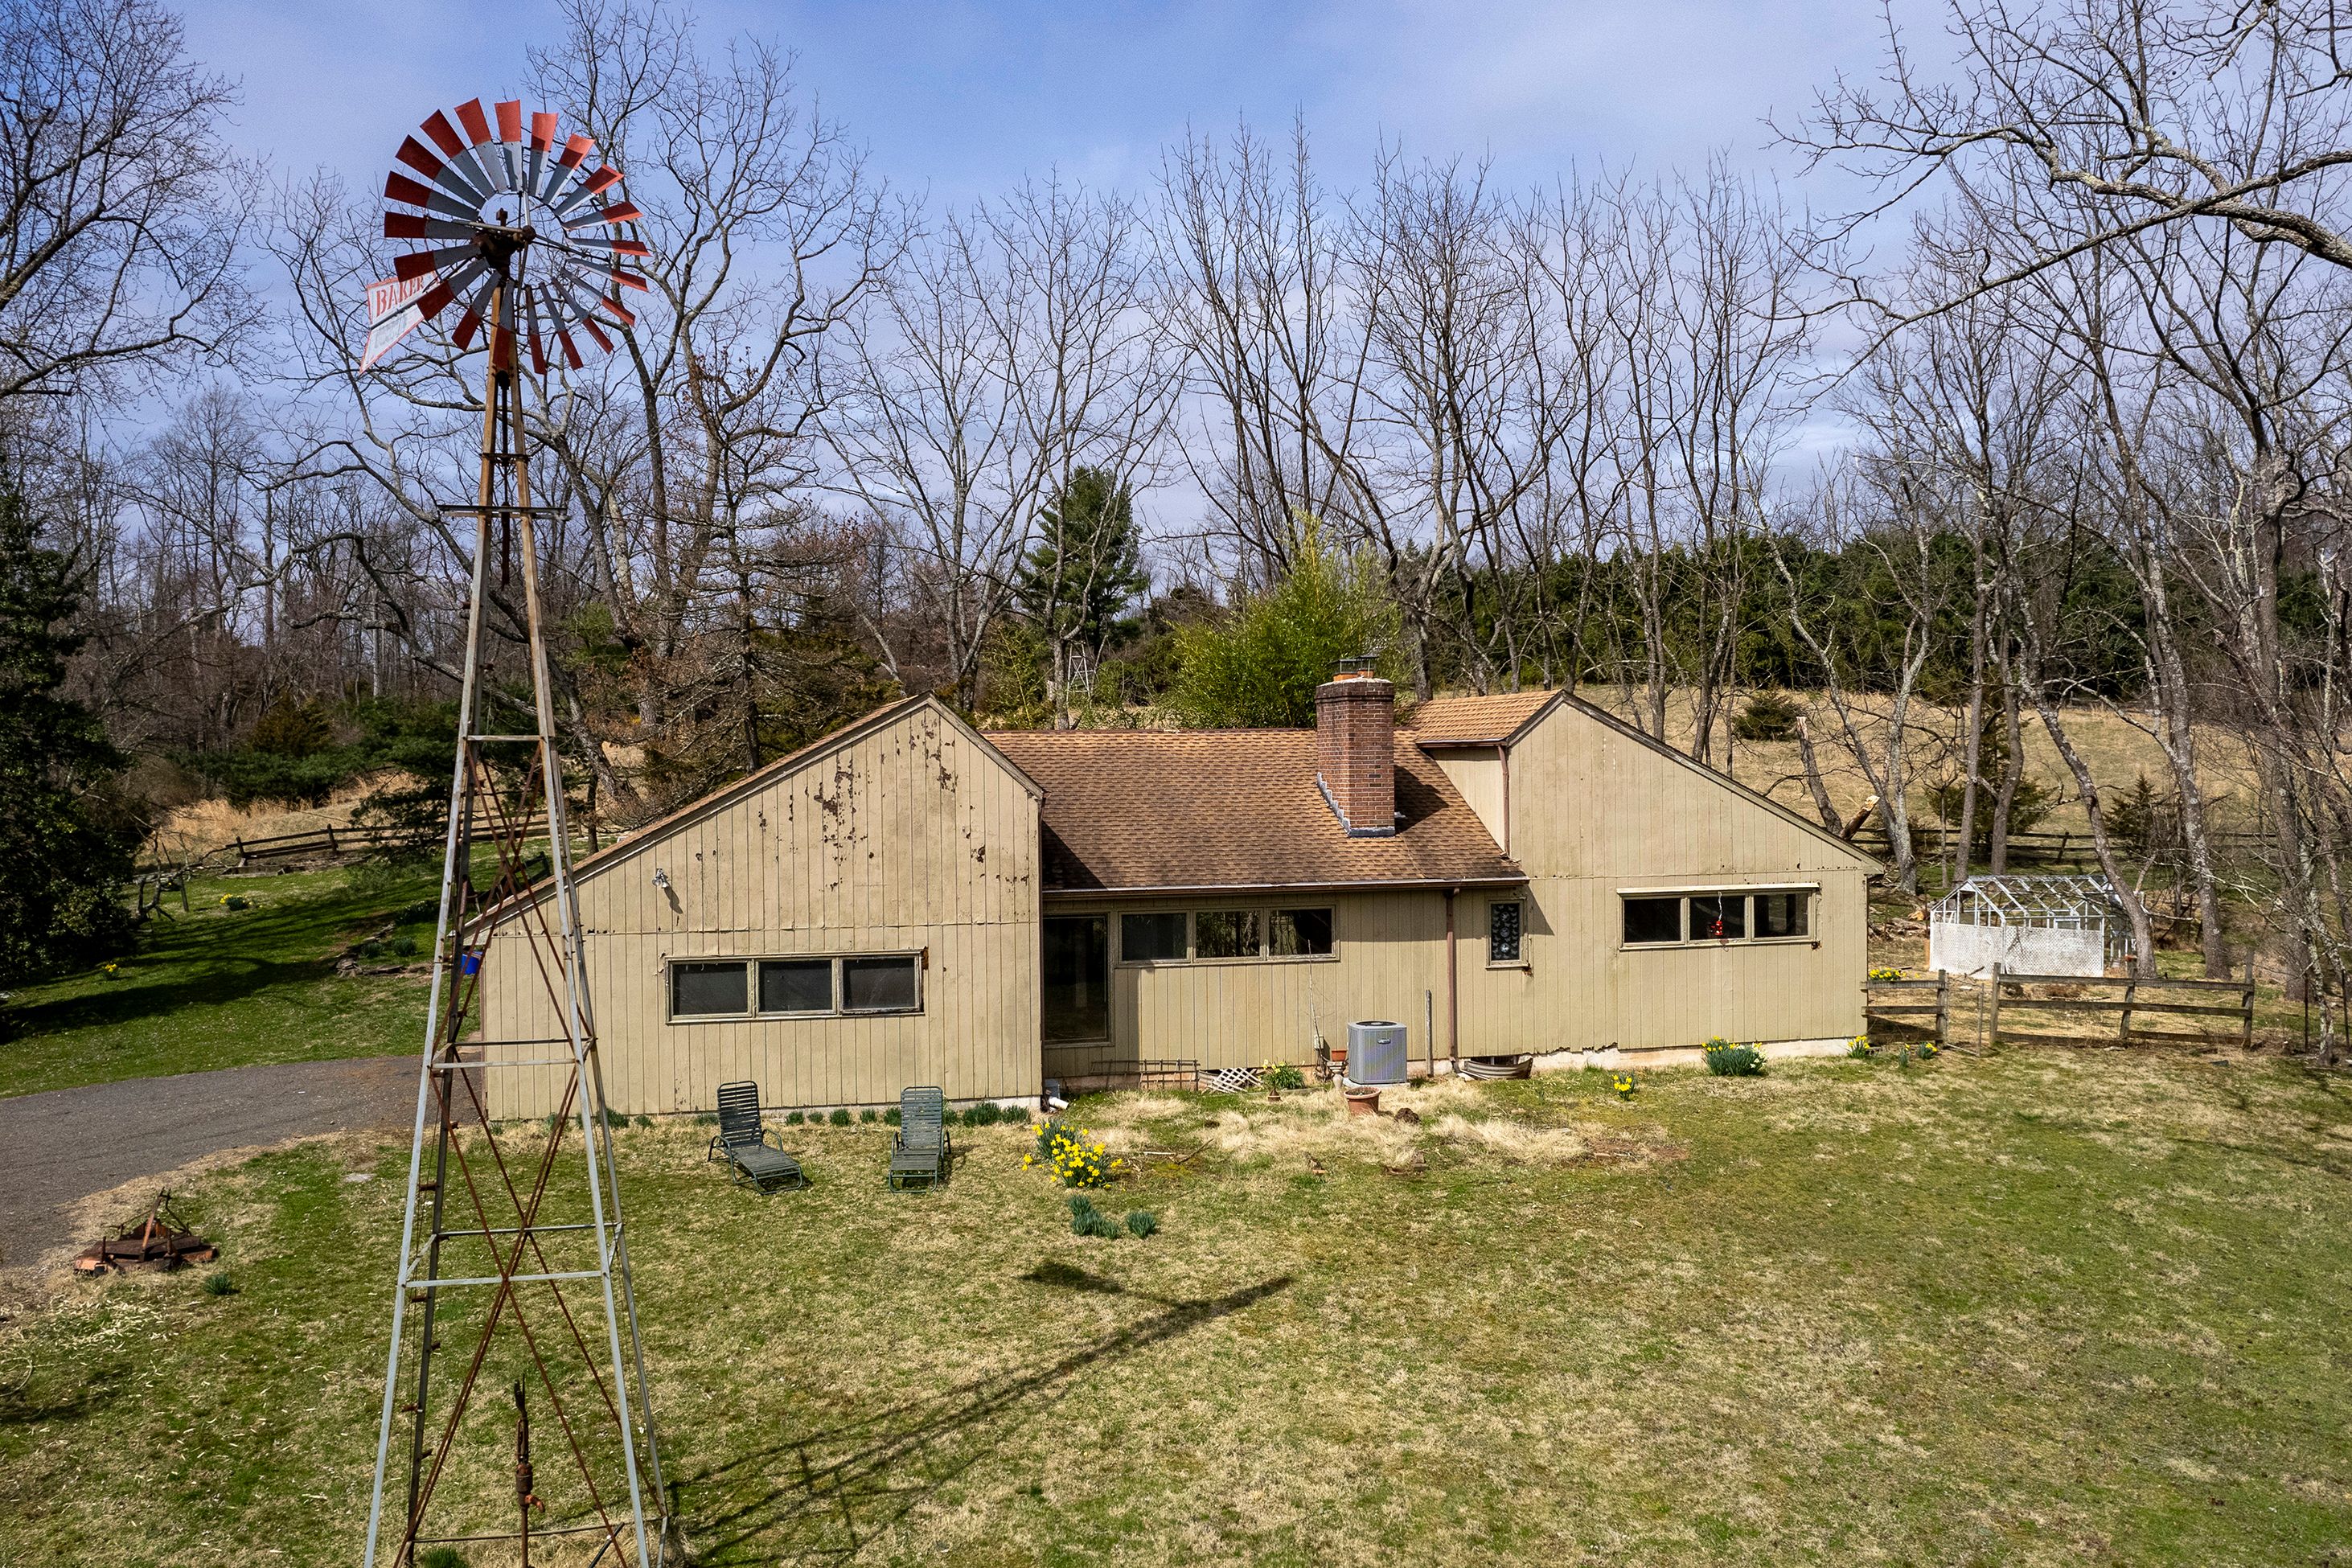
(2040, 1306)
(227, 987)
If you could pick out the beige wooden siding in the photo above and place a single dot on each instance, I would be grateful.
(910, 838)
(1592, 812)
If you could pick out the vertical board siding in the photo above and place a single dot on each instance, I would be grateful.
(907, 837)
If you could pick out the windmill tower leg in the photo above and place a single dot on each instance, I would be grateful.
(554, 1294)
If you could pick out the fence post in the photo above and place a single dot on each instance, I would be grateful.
(1943, 1009)
(2246, 1000)
(1992, 1029)
(2123, 1023)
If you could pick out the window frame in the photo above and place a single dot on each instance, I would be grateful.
(1263, 913)
(1748, 894)
(1521, 961)
(921, 957)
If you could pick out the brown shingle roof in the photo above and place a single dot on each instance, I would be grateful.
(1476, 721)
(1128, 809)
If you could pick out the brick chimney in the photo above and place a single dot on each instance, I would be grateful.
(1355, 746)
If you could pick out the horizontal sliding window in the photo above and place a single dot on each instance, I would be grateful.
(881, 985)
(797, 987)
(1653, 920)
(1717, 916)
(1152, 939)
(707, 990)
(1780, 914)
(1225, 933)
(1298, 933)
(1175, 937)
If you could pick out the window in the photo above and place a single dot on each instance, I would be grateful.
(1299, 933)
(796, 985)
(1503, 927)
(881, 985)
(707, 990)
(1718, 917)
(1225, 933)
(1780, 914)
(1151, 939)
(1653, 920)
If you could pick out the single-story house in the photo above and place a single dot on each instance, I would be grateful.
(911, 900)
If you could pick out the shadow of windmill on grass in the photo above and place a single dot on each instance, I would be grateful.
(823, 1496)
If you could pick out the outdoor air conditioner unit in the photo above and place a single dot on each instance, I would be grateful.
(1376, 1051)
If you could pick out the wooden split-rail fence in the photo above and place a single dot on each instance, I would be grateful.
(1910, 1002)
(241, 852)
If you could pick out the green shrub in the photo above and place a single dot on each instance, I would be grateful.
(1106, 1226)
(405, 946)
(615, 1117)
(644, 1122)
(1082, 1214)
(1769, 716)
(220, 1284)
(840, 1118)
(890, 1117)
(794, 1119)
(1282, 1074)
(440, 1557)
(1142, 1223)
(869, 1114)
(1725, 1060)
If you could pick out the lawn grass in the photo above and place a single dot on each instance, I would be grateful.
(2043, 1306)
(217, 987)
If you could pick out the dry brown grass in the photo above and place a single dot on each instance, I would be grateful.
(207, 825)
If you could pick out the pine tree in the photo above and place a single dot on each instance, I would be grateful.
(65, 853)
(1084, 572)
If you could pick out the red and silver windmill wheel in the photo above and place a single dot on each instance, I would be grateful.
(487, 197)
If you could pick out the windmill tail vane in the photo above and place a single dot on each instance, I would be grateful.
(512, 1249)
(483, 193)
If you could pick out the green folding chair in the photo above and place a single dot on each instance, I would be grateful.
(923, 1152)
(753, 1151)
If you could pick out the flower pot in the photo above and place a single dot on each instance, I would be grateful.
(1363, 1102)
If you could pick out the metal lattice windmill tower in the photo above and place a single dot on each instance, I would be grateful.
(514, 1265)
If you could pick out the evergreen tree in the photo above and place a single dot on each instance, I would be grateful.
(67, 853)
(1262, 665)
(1084, 572)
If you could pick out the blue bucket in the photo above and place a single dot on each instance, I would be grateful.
(470, 961)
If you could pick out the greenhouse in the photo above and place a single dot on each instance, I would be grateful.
(2029, 925)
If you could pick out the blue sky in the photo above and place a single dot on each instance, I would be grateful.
(963, 98)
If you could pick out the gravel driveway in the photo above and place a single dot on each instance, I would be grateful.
(62, 1146)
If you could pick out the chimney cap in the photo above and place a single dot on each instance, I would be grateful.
(1358, 667)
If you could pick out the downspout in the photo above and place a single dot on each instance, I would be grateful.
(1503, 755)
(1453, 991)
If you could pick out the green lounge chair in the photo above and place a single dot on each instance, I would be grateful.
(753, 1152)
(923, 1151)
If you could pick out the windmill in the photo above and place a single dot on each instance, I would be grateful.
(511, 1250)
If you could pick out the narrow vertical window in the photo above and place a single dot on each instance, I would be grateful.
(1504, 918)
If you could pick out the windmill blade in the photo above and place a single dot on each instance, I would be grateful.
(601, 179)
(438, 299)
(399, 187)
(628, 280)
(571, 349)
(575, 150)
(414, 153)
(482, 147)
(417, 263)
(529, 303)
(619, 212)
(407, 225)
(542, 139)
(618, 247)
